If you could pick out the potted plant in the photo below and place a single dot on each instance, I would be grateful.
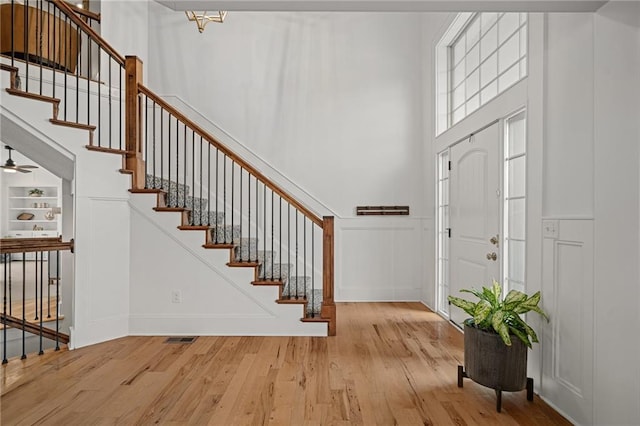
(35, 192)
(496, 339)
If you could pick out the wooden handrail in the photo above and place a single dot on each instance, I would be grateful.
(84, 12)
(19, 323)
(233, 156)
(26, 245)
(63, 6)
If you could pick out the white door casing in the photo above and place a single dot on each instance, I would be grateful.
(474, 214)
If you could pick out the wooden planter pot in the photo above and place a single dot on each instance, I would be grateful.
(491, 363)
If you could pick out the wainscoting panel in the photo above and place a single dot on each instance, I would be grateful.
(567, 340)
(379, 259)
(101, 294)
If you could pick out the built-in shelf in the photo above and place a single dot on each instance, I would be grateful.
(19, 201)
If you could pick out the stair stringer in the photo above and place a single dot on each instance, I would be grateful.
(216, 300)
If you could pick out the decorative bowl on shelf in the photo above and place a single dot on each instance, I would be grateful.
(36, 192)
(25, 216)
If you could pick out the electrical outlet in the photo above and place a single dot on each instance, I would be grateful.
(176, 296)
(550, 229)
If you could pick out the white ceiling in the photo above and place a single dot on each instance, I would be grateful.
(388, 5)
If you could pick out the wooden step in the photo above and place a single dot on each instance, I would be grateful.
(315, 319)
(126, 171)
(218, 246)
(243, 264)
(145, 191)
(193, 228)
(263, 282)
(54, 101)
(169, 209)
(72, 124)
(108, 150)
(299, 301)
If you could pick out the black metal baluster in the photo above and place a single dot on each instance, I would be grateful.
(264, 225)
(169, 159)
(313, 269)
(146, 137)
(41, 297)
(241, 217)
(99, 94)
(24, 315)
(39, 33)
(178, 162)
(200, 203)
(36, 285)
(248, 209)
(110, 104)
(257, 220)
(88, 80)
(10, 289)
(184, 168)
(193, 177)
(280, 235)
(66, 62)
(13, 59)
(304, 254)
(297, 274)
(289, 246)
(273, 253)
(162, 148)
(56, 53)
(121, 70)
(232, 196)
(49, 286)
(78, 67)
(224, 197)
(4, 294)
(216, 218)
(209, 187)
(154, 144)
(26, 43)
(57, 300)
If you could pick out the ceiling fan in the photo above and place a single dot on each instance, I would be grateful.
(11, 167)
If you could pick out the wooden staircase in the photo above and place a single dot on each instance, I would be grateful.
(144, 149)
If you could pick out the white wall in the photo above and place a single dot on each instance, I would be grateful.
(616, 198)
(590, 187)
(124, 25)
(334, 102)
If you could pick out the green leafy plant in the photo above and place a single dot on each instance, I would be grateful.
(493, 314)
(36, 191)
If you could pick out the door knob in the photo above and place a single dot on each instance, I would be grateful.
(492, 256)
(494, 240)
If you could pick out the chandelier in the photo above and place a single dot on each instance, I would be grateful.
(202, 19)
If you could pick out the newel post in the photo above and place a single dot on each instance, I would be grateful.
(133, 127)
(328, 304)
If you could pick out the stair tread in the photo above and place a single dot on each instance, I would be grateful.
(22, 93)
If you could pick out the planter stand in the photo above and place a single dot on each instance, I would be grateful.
(462, 375)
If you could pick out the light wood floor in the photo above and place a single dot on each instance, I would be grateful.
(390, 364)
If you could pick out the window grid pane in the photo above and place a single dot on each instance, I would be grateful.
(443, 234)
(515, 203)
(490, 51)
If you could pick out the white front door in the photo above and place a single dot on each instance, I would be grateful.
(474, 214)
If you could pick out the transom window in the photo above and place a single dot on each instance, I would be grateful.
(480, 56)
